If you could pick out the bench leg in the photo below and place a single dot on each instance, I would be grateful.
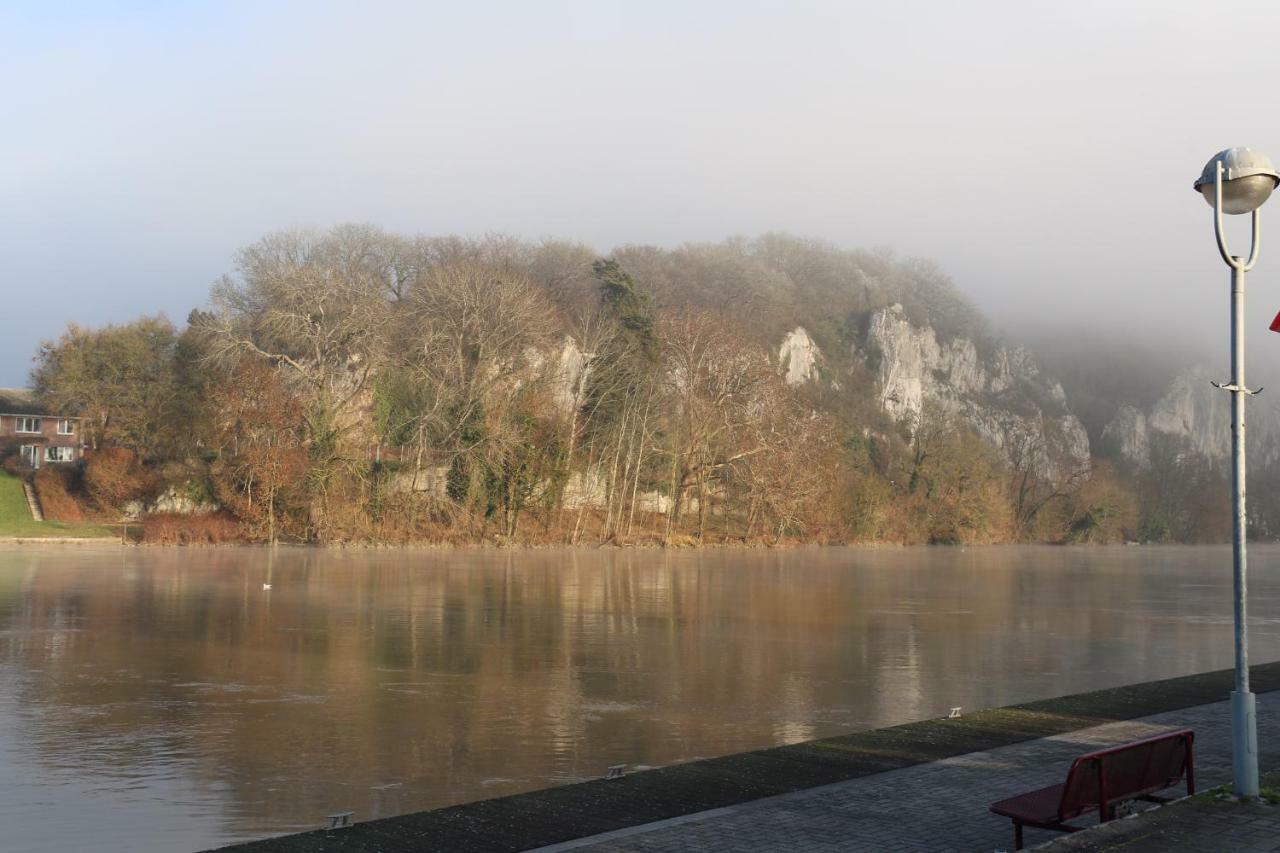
(1017, 835)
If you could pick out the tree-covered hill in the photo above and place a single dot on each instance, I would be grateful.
(359, 385)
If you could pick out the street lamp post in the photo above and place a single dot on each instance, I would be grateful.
(1236, 181)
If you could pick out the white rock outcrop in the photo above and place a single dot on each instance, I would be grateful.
(1126, 436)
(1195, 418)
(573, 369)
(798, 357)
(1003, 396)
(170, 502)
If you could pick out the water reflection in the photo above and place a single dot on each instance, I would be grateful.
(163, 699)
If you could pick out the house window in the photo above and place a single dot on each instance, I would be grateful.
(28, 424)
(66, 426)
(60, 454)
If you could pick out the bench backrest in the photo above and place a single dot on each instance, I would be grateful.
(1124, 772)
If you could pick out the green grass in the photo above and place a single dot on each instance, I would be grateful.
(16, 520)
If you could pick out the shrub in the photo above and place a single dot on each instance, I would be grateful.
(201, 529)
(113, 476)
(53, 488)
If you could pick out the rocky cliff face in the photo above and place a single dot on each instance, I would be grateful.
(1002, 395)
(1194, 417)
(798, 357)
(572, 370)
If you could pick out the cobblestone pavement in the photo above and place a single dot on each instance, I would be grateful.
(1205, 823)
(943, 805)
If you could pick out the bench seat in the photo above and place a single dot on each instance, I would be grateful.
(1033, 807)
(1100, 780)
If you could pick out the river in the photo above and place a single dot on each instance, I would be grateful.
(178, 699)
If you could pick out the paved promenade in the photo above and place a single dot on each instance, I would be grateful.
(923, 785)
(1205, 823)
(942, 805)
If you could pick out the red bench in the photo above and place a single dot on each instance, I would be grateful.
(1100, 780)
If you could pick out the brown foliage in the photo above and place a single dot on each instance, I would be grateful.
(199, 529)
(262, 474)
(121, 379)
(113, 476)
(53, 488)
(952, 489)
(1104, 510)
(865, 504)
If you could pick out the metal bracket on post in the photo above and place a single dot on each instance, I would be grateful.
(1226, 386)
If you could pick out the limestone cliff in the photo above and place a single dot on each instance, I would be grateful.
(1193, 417)
(1002, 394)
(798, 357)
(572, 370)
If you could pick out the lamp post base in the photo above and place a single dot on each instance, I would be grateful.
(1244, 741)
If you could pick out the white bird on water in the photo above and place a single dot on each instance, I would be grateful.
(266, 586)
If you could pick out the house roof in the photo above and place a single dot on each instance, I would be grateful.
(22, 401)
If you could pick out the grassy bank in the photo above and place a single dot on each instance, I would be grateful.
(16, 521)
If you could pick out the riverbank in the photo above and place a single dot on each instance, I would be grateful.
(558, 815)
(946, 804)
(18, 526)
(208, 528)
(110, 533)
(60, 541)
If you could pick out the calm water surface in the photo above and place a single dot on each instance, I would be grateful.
(164, 700)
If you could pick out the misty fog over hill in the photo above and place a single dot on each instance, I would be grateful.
(146, 142)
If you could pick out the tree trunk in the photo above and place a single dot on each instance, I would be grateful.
(635, 488)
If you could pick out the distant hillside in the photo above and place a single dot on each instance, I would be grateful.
(355, 384)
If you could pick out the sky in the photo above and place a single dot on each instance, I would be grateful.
(1041, 153)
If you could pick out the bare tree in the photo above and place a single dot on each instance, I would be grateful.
(317, 305)
(711, 380)
(479, 336)
(1038, 476)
